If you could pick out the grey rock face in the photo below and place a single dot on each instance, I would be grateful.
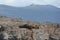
(19, 29)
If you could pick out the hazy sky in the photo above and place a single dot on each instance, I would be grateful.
(28, 2)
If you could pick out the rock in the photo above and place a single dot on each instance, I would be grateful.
(19, 29)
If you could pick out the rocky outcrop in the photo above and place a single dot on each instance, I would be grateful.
(19, 29)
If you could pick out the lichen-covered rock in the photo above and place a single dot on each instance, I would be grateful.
(19, 29)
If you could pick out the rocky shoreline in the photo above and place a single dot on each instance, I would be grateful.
(19, 29)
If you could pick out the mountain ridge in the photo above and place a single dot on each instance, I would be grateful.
(42, 13)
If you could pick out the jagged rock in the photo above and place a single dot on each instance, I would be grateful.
(19, 29)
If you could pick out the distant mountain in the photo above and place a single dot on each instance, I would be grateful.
(32, 12)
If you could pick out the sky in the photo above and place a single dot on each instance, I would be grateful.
(22, 3)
